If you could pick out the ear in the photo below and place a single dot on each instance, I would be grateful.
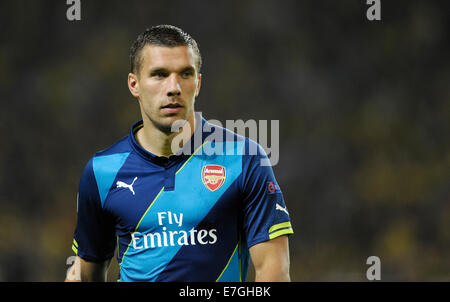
(133, 84)
(199, 84)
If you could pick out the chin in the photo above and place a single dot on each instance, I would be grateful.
(171, 124)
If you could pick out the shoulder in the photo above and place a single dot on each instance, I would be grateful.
(115, 153)
(118, 150)
(101, 169)
(112, 156)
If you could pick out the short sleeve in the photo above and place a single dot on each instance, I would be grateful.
(94, 237)
(265, 214)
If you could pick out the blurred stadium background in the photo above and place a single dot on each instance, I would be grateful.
(364, 111)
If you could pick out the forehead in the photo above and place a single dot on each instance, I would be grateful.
(153, 56)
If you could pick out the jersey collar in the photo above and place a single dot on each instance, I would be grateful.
(187, 150)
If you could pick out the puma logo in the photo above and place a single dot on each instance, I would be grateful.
(280, 208)
(121, 184)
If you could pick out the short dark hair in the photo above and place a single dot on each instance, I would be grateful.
(162, 35)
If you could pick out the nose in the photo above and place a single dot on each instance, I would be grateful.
(174, 88)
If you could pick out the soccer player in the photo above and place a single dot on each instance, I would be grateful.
(181, 205)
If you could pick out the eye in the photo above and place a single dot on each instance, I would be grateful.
(159, 74)
(186, 74)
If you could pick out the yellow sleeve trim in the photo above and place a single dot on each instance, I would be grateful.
(75, 246)
(282, 225)
(281, 232)
(74, 249)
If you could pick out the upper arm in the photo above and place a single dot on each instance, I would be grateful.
(266, 220)
(94, 238)
(271, 260)
(265, 215)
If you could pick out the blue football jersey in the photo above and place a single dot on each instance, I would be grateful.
(188, 217)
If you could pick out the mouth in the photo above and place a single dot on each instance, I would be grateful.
(172, 108)
(172, 105)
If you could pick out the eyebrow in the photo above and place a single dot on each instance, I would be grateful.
(158, 70)
(188, 68)
(165, 70)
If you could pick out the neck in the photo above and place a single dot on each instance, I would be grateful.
(159, 142)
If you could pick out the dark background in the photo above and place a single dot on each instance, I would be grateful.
(364, 110)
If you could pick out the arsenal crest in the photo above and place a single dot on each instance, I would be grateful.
(213, 176)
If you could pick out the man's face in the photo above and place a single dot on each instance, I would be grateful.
(166, 84)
